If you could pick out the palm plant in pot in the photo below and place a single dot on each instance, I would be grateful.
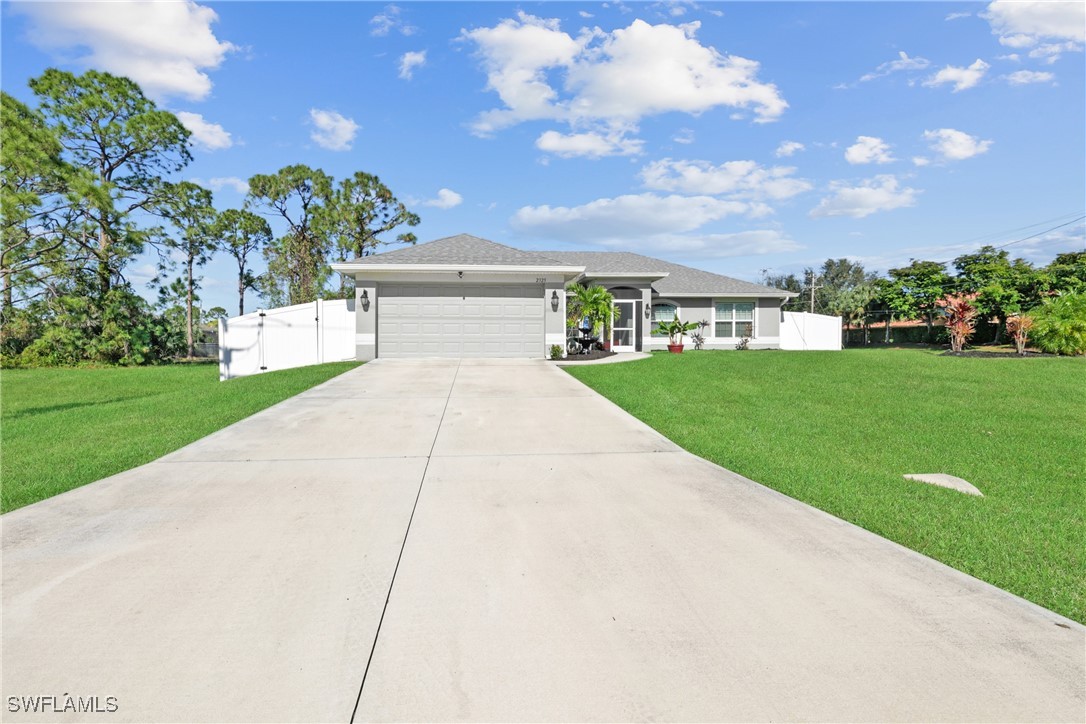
(675, 330)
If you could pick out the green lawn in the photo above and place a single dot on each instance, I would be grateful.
(838, 429)
(62, 428)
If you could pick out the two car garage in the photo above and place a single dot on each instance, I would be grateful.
(460, 320)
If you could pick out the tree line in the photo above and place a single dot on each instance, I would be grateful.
(998, 287)
(86, 187)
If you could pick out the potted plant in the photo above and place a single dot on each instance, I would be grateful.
(675, 330)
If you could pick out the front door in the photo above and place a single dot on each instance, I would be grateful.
(623, 333)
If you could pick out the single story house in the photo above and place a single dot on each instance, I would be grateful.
(463, 296)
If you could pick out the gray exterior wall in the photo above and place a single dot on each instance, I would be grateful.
(365, 320)
(767, 320)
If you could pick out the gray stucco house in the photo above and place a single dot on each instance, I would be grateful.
(463, 296)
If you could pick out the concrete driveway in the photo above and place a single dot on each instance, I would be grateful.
(544, 557)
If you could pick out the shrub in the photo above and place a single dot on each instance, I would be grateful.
(961, 320)
(556, 351)
(1059, 324)
(1018, 326)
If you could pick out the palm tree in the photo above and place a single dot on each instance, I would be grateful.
(593, 303)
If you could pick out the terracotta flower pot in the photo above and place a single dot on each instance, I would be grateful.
(675, 348)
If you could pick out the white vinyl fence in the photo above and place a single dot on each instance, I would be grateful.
(278, 339)
(800, 330)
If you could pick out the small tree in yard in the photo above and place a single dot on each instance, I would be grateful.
(961, 320)
(1018, 326)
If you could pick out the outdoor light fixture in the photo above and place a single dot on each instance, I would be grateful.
(365, 299)
(648, 311)
(460, 274)
(554, 300)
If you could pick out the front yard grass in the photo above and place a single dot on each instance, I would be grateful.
(63, 428)
(838, 429)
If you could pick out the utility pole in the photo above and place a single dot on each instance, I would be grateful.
(812, 287)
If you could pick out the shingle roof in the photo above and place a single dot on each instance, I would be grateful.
(462, 249)
(679, 280)
(468, 250)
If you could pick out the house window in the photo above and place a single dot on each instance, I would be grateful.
(663, 312)
(734, 319)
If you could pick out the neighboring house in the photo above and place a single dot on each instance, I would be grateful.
(463, 296)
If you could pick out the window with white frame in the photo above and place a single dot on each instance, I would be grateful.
(734, 319)
(663, 312)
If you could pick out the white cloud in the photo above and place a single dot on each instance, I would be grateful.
(880, 193)
(652, 224)
(684, 136)
(788, 148)
(205, 135)
(957, 16)
(630, 216)
(921, 161)
(411, 60)
(446, 199)
(219, 183)
(391, 18)
(590, 145)
(166, 47)
(610, 79)
(1051, 52)
(954, 145)
(700, 246)
(1024, 23)
(869, 149)
(734, 179)
(585, 14)
(332, 130)
(962, 78)
(1024, 77)
(903, 62)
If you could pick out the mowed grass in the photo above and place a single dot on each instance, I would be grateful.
(838, 429)
(63, 428)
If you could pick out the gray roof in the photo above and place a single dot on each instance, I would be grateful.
(468, 250)
(462, 249)
(679, 280)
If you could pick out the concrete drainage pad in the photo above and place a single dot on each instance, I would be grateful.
(946, 481)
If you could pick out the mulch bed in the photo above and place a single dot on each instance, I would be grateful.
(593, 355)
(996, 355)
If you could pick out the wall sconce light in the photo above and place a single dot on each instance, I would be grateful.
(648, 311)
(554, 300)
(365, 299)
(460, 275)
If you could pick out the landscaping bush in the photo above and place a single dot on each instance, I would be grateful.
(1059, 324)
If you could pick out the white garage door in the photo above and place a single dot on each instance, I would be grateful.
(460, 320)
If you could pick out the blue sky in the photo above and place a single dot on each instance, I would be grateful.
(732, 137)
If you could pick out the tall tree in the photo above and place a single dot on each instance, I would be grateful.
(360, 209)
(917, 289)
(1067, 272)
(108, 127)
(297, 261)
(241, 233)
(1002, 287)
(188, 208)
(39, 201)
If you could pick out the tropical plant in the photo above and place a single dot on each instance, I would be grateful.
(743, 343)
(676, 329)
(1018, 326)
(698, 337)
(593, 303)
(961, 320)
(1059, 324)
